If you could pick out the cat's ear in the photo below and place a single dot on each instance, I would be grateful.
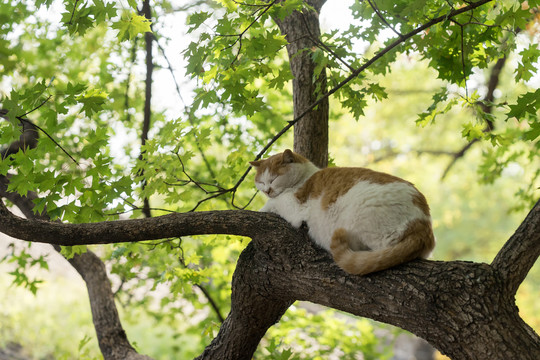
(288, 157)
(255, 163)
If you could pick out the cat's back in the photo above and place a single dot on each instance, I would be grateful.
(331, 185)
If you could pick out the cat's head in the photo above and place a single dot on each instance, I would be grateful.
(280, 172)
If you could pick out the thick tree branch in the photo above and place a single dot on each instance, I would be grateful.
(446, 303)
(443, 302)
(253, 311)
(232, 222)
(423, 297)
(310, 134)
(520, 252)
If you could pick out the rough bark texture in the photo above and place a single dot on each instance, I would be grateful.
(311, 132)
(253, 310)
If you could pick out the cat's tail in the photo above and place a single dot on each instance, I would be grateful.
(417, 241)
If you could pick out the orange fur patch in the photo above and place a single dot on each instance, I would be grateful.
(332, 183)
(419, 200)
(416, 242)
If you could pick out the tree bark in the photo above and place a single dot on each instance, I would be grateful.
(253, 311)
(311, 132)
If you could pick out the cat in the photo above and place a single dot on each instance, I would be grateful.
(369, 221)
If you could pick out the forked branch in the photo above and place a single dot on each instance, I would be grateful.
(520, 252)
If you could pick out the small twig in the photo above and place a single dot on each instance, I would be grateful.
(200, 202)
(205, 292)
(459, 154)
(246, 4)
(322, 45)
(196, 183)
(379, 14)
(52, 139)
(34, 109)
(187, 182)
(73, 12)
(489, 98)
(135, 207)
(213, 304)
(248, 203)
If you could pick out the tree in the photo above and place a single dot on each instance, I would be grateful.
(466, 310)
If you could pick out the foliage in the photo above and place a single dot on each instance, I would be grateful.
(74, 68)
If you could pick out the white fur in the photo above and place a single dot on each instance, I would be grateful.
(374, 215)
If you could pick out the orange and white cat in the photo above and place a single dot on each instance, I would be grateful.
(369, 221)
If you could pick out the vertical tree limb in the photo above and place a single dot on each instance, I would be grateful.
(148, 38)
(521, 251)
(310, 133)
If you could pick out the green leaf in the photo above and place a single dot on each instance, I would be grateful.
(472, 131)
(526, 106)
(533, 133)
(377, 91)
(70, 251)
(128, 28)
(195, 20)
(92, 101)
(527, 65)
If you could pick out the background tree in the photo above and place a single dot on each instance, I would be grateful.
(85, 104)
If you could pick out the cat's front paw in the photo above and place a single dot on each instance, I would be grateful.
(296, 223)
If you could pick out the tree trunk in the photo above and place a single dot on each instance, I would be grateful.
(253, 311)
(311, 132)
